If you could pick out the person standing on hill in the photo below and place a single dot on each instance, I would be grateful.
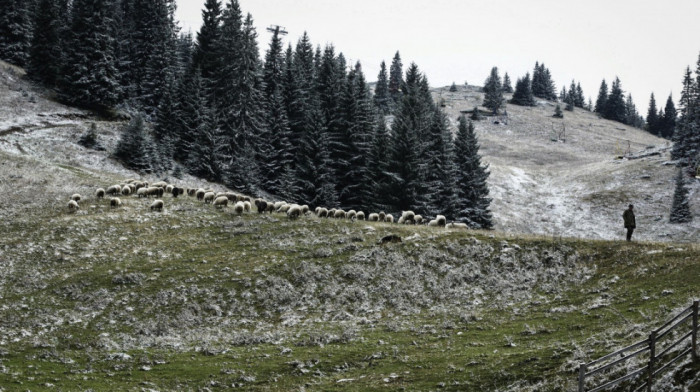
(630, 223)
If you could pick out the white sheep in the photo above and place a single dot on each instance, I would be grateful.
(76, 197)
(169, 188)
(73, 206)
(294, 211)
(247, 206)
(360, 216)
(304, 209)
(418, 219)
(456, 225)
(284, 208)
(100, 193)
(126, 190)
(441, 220)
(373, 217)
(157, 205)
(382, 216)
(220, 202)
(339, 214)
(142, 192)
(331, 213)
(407, 217)
(389, 218)
(191, 192)
(209, 197)
(113, 190)
(279, 204)
(322, 212)
(160, 184)
(115, 202)
(238, 208)
(200, 194)
(351, 214)
(316, 210)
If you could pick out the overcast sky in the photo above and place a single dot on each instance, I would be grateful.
(648, 44)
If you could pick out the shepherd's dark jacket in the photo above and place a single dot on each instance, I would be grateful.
(628, 216)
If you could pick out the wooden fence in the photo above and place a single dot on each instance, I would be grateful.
(656, 362)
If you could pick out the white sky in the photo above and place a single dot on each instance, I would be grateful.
(648, 44)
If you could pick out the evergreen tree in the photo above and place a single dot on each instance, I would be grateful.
(523, 92)
(15, 31)
(165, 127)
(632, 117)
(615, 108)
(668, 120)
(493, 91)
(205, 56)
(378, 167)
(133, 146)
(206, 155)
(580, 100)
(570, 99)
(602, 102)
(439, 196)
(395, 80)
(680, 209)
(381, 91)
(686, 138)
(476, 115)
(45, 53)
(471, 186)
(542, 84)
(314, 172)
(557, 112)
(184, 48)
(507, 86)
(652, 122)
(90, 77)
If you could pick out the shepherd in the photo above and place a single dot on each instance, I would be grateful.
(630, 223)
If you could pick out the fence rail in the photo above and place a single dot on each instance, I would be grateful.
(654, 366)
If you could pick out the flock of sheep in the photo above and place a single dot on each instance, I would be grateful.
(243, 204)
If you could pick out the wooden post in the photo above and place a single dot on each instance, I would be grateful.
(652, 354)
(581, 377)
(695, 330)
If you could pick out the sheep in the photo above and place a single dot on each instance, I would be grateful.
(279, 204)
(248, 199)
(126, 190)
(322, 212)
(294, 211)
(407, 217)
(389, 218)
(418, 219)
(382, 216)
(339, 214)
(113, 190)
(177, 191)
(169, 188)
(115, 202)
(238, 208)
(360, 216)
(100, 193)
(316, 210)
(208, 197)
(200, 194)
(373, 217)
(220, 202)
(157, 205)
(76, 197)
(247, 206)
(283, 208)
(143, 192)
(73, 206)
(438, 221)
(351, 214)
(191, 192)
(261, 205)
(160, 184)
(456, 225)
(139, 184)
(129, 180)
(270, 207)
(331, 213)
(304, 209)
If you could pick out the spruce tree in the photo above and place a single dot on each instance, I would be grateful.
(453, 88)
(166, 125)
(493, 91)
(542, 84)
(395, 80)
(557, 112)
(602, 101)
(615, 108)
(89, 77)
(45, 53)
(652, 121)
(686, 138)
(668, 121)
(378, 167)
(15, 31)
(206, 155)
(471, 186)
(381, 91)
(507, 86)
(205, 56)
(680, 209)
(523, 92)
(580, 100)
(133, 146)
(439, 195)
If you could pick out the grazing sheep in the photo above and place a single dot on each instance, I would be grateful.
(441, 220)
(73, 206)
(238, 208)
(304, 209)
(113, 190)
(231, 196)
(76, 197)
(169, 188)
(129, 180)
(200, 194)
(360, 216)
(140, 184)
(220, 202)
(418, 219)
(331, 213)
(126, 191)
(247, 206)
(191, 192)
(261, 205)
(339, 214)
(279, 204)
(209, 197)
(115, 202)
(284, 208)
(407, 217)
(160, 184)
(100, 193)
(316, 210)
(389, 218)
(157, 205)
(456, 225)
(294, 212)
(351, 215)
(248, 199)
(322, 212)
(382, 216)
(373, 217)
(143, 192)
(178, 191)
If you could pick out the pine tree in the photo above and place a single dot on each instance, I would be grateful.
(632, 117)
(15, 31)
(90, 78)
(557, 112)
(580, 100)
(523, 92)
(493, 91)
(652, 117)
(453, 88)
(381, 91)
(166, 125)
(439, 196)
(314, 172)
(686, 138)
(378, 167)
(602, 101)
(133, 146)
(507, 86)
(615, 109)
(471, 186)
(395, 80)
(45, 53)
(542, 84)
(476, 115)
(206, 154)
(205, 56)
(668, 121)
(680, 209)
